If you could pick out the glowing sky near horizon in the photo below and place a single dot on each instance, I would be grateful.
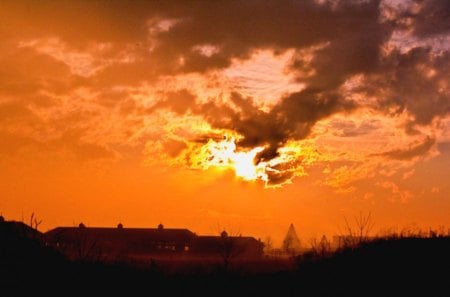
(246, 115)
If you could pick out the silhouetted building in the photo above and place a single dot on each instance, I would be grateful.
(112, 243)
(235, 246)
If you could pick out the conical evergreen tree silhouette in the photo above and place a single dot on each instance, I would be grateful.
(291, 243)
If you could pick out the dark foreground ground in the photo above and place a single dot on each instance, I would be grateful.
(386, 267)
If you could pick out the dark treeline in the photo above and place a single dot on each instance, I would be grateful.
(410, 266)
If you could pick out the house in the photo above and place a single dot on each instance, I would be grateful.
(112, 243)
(228, 246)
(102, 243)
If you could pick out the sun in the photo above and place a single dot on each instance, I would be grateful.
(223, 154)
(244, 165)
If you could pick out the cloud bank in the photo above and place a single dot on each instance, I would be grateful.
(103, 77)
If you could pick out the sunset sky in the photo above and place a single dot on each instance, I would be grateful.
(244, 115)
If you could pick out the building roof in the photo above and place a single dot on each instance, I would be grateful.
(84, 240)
(154, 234)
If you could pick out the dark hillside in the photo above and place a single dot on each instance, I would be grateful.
(398, 266)
(385, 267)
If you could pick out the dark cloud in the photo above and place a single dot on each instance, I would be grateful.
(235, 28)
(350, 33)
(282, 173)
(204, 138)
(415, 81)
(292, 118)
(414, 150)
(432, 18)
(77, 22)
(238, 28)
(278, 177)
(350, 51)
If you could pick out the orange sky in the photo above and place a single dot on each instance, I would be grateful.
(246, 116)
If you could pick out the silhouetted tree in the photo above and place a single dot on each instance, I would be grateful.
(34, 222)
(229, 248)
(358, 232)
(268, 244)
(321, 248)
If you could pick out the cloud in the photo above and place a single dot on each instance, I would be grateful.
(415, 82)
(173, 48)
(127, 73)
(414, 150)
(348, 128)
(69, 146)
(397, 194)
(431, 17)
(174, 147)
(178, 101)
(291, 119)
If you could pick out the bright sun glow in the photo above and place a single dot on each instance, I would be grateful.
(223, 154)
(244, 164)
